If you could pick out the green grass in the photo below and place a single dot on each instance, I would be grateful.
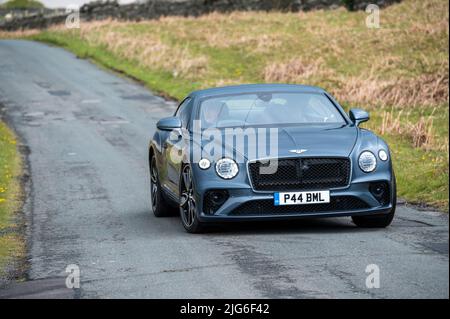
(12, 245)
(401, 67)
(22, 4)
(422, 176)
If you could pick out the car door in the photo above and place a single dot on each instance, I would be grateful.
(174, 145)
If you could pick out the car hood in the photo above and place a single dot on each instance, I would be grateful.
(307, 140)
(334, 141)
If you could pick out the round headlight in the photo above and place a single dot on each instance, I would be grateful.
(226, 168)
(367, 162)
(383, 155)
(204, 163)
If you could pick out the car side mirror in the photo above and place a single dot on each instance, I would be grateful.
(359, 116)
(169, 123)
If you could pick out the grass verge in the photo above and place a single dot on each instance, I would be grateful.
(12, 243)
(399, 72)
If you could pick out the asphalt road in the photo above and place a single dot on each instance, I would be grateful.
(87, 131)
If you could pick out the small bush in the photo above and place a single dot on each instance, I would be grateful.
(349, 4)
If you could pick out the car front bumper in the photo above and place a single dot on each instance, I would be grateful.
(359, 191)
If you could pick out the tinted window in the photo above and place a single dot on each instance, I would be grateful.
(268, 108)
(184, 112)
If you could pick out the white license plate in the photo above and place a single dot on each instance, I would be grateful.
(301, 198)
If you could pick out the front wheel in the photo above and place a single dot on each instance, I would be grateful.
(188, 204)
(160, 206)
(378, 221)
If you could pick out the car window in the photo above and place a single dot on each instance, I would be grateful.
(269, 108)
(183, 112)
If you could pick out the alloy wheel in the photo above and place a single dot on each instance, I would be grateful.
(187, 201)
(154, 183)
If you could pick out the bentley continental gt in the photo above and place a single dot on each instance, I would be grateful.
(269, 152)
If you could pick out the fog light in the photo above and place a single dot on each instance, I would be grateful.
(380, 190)
(213, 200)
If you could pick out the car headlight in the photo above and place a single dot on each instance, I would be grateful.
(367, 162)
(204, 163)
(227, 168)
(383, 155)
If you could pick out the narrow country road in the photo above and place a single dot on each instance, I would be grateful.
(87, 131)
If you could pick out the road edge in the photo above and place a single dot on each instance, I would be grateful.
(16, 270)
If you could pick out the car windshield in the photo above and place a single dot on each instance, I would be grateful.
(268, 109)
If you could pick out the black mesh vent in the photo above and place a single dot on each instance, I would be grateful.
(381, 191)
(266, 207)
(386, 199)
(213, 199)
(302, 173)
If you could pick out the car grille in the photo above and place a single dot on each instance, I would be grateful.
(301, 173)
(266, 207)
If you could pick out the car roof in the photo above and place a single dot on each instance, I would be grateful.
(244, 88)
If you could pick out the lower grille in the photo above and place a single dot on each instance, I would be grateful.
(213, 199)
(381, 191)
(301, 173)
(266, 207)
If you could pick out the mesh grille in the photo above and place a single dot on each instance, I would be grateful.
(213, 199)
(266, 207)
(302, 173)
(385, 197)
(385, 200)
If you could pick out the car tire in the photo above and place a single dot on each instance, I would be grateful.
(188, 205)
(378, 221)
(160, 206)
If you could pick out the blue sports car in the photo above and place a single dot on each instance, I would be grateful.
(269, 152)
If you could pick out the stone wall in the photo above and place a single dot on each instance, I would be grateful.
(7, 14)
(154, 9)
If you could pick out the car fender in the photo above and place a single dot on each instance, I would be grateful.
(368, 141)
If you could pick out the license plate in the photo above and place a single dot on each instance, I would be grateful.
(301, 198)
